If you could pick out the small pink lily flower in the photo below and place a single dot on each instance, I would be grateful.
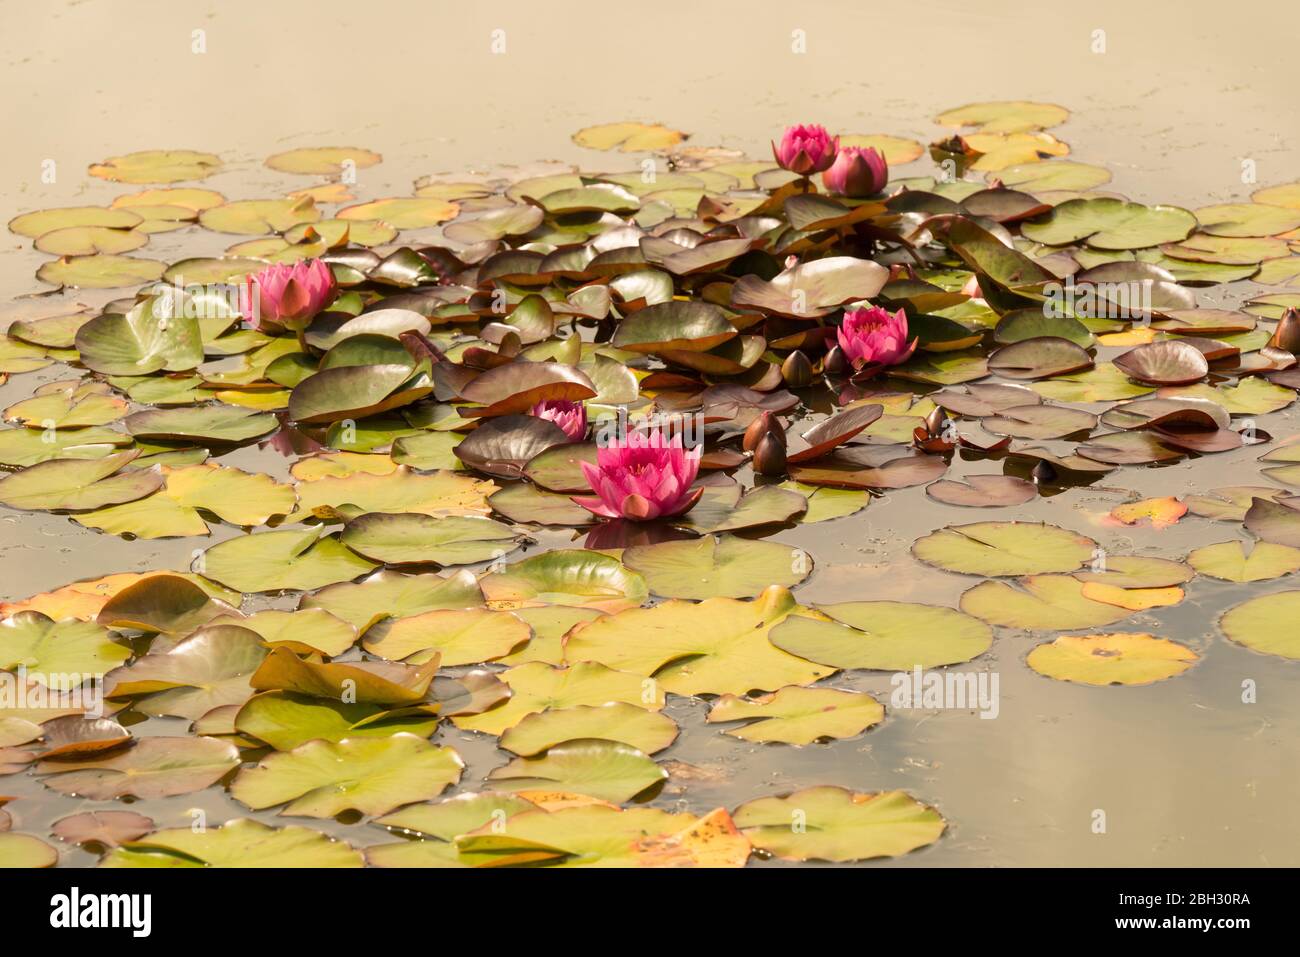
(857, 171)
(569, 416)
(873, 337)
(642, 477)
(288, 297)
(806, 149)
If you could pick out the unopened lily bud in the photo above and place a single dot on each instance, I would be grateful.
(834, 363)
(1287, 334)
(769, 456)
(797, 370)
(757, 429)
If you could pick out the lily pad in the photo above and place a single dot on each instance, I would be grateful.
(405, 538)
(608, 770)
(1004, 548)
(1264, 624)
(151, 768)
(457, 636)
(710, 567)
(1112, 659)
(839, 825)
(576, 577)
(1040, 603)
(647, 731)
(389, 593)
(157, 166)
(370, 775)
(1106, 223)
(282, 560)
(797, 715)
(883, 635)
(1235, 562)
(51, 650)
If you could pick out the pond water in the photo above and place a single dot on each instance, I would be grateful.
(1184, 771)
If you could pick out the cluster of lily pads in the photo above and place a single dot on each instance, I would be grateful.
(784, 347)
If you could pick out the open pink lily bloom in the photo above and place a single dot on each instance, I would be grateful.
(569, 416)
(806, 149)
(857, 171)
(288, 297)
(873, 337)
(643, 477)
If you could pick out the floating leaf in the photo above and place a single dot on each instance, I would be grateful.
(209, 669)
(51, 651)
(23, 850)
(647, 731)
(1247, 219)
(710, 567)
(1106, 223)
(277, 561)
(717, 646)
(78, 484)
(458, 636)
(438, 494)
(405, 538)
(370, 775)
(389, 593)
(1040, 603)
(607, 770)
(983, 491)
(628, 137)
(323, 160)
(1235, 562)
(577, 577)
(1114, 659)
(168, 603)
(152, 768)
(1265, 624)
(839, 825)
(1004, 548)
(107, 828)
(157, 166)
(797, 715)
(220, 424)
(239, 843)
(883, 635)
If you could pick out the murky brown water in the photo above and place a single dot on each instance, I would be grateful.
(1186, 773)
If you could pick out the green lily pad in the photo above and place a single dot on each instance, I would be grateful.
(71, 405)
(222, 424)
(628, 137)
(457, 636)
(710, 567)
(370, 775)
(389, 593)
(323, 160)
(1053, 175)
(825, 504)
(718, 646)
(45, 221)
(90, 240)
(1234, 562)
(1004, 548)
(413, 538)
(142, 341)
(647, 731)
(1040, 603)
(607, 770)
(209, 669)
(883, 635)
(1265, 624)
(48, 648)
(438, 494)
(797, 715)
(404, 212)
(538, 687)
(576, 577)
(24, 850)
(21, 448)
(1114, 659)
(256, 217)
(100, 271)
(235, 496)
(839, 825)
(304, 631)
(1111, 224)
(1247, 219)
(285, 720)
(526, 504)
(1005, 116)
(151, 768)
(239, 843)
(78, 484)
(282, 560)
(167, 603)
(157, 166)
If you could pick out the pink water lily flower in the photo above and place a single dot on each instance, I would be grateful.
(642, 477)
(288, 297)
(857, 171)
(806, 149)
(569, 416)
(873, 337)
